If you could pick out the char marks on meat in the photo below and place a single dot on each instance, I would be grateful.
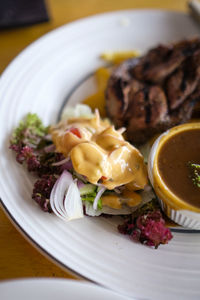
(155, 92)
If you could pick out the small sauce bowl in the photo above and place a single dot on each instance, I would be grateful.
(169, 170)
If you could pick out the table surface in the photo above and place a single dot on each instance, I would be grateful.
(18, 258)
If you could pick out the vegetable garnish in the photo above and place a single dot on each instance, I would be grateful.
(42, 191)
(29, 132)
(61, 189)
(65, 198)
(195, 173)
(30, 141)
(147, 226)
(76, 132)
(98, 196)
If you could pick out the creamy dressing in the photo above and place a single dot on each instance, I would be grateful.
(100, 153)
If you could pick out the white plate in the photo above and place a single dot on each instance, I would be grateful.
(54, 289)
(39, 80)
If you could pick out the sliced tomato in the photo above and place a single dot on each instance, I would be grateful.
(76, 132)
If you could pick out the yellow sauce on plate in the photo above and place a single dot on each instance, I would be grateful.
(100, 153)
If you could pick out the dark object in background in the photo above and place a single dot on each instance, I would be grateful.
(15, 13)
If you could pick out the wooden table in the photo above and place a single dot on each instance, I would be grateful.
(17, 257)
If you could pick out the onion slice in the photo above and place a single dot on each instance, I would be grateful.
(90, 211)
(61, 162)
(65, 199)
(49, 148)
(98, 196)
(73, 204)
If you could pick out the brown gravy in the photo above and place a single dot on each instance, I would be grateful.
(173, 159)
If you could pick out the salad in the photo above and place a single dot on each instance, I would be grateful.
(84, 166)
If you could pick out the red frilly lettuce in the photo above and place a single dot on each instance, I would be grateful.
(147, 226)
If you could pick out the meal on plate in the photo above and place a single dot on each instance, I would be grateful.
(87, 166)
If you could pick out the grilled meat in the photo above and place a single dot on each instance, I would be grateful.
(155, 92)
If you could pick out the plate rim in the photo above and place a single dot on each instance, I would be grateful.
(40, 281)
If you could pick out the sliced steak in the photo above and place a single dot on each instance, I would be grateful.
(161, 61)
(147, 107)
(183, 81)
(119, 86)
(157, 65)
(156, 91)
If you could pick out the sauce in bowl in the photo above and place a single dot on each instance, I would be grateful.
(171, 168)
(174, 159)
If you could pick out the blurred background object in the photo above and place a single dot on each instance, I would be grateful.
(14, 13)
(194, 7)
